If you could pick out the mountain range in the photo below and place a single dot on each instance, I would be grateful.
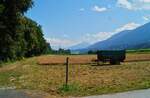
(128, 39)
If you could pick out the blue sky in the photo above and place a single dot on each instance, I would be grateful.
(69, 22)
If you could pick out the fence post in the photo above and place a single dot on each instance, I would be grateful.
(67, 70)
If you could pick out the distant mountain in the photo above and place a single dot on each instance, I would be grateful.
(80, 46)
(129, 39)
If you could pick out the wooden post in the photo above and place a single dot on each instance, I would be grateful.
(67, 71)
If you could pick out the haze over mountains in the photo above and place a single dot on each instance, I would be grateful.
(129, 39)
(80, 46)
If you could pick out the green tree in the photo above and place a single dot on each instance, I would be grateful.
(11, 43)
(35, 43)
(19, 35)
(1, 8)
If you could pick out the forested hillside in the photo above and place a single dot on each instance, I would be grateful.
(19, 36)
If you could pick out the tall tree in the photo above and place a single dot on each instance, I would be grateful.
(1, 8)
(11, 43)
(19, 35)
(33, 37)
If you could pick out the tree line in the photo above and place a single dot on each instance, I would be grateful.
(19, 36)
(60, 51)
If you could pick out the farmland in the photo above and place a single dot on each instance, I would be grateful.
(47, 73)
(85, 59)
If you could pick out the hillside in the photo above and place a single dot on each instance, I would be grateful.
(129, 39)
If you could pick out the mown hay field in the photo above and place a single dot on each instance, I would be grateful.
(85, 59)
(84, 79)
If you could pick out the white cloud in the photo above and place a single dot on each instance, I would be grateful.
(124, 4)
(146, 18)
(100, 36)
(99, 9)
(134, 4)
(60, 43)
(129, 26)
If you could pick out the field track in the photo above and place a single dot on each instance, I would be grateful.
(85, 59)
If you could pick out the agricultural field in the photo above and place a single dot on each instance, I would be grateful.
(85, 59)
(47, 74)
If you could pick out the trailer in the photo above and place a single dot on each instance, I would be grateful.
(112, 56)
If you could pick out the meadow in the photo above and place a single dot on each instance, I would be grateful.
(47, 74)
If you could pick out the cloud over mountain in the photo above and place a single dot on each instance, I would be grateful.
(134, 4)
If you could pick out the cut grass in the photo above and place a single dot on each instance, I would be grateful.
(84, 59)
(84, 80)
